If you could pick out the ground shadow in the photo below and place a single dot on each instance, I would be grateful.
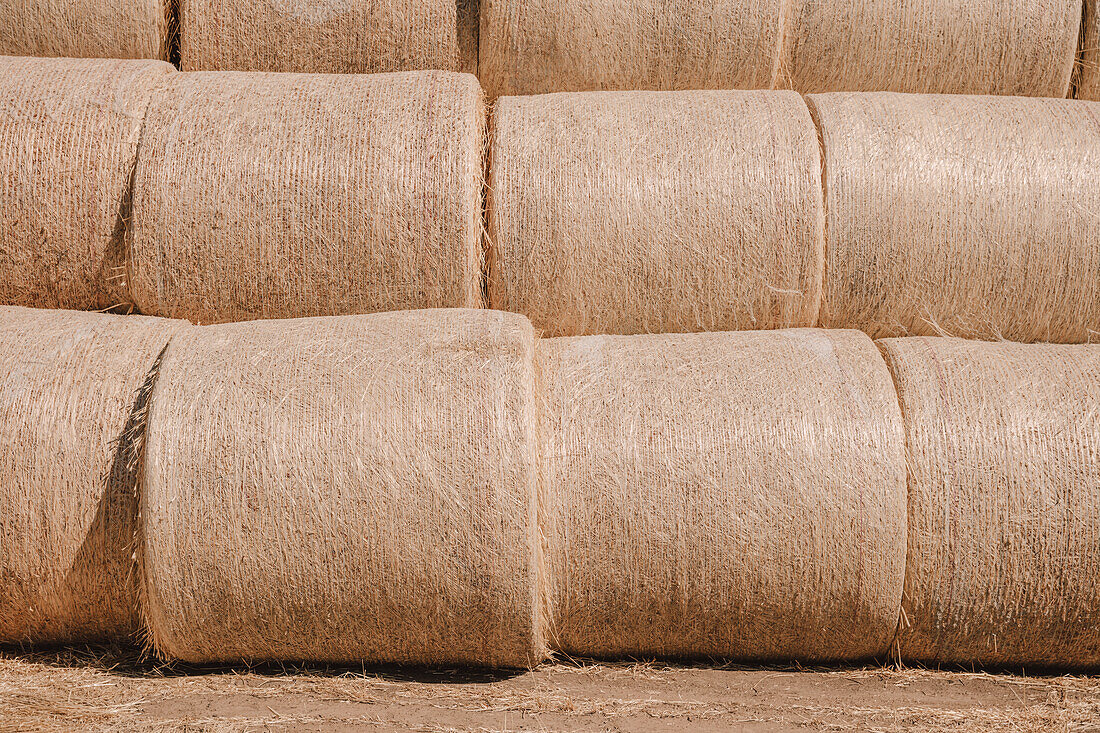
(132, 661)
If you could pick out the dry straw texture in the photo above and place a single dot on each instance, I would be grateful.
(344, 490)
(1004, 501)
(1013, 47)
(964, 216)
(735, 495)
(119, 29)
(68, 139)
(318, 36)
(289, 195)
(540, 46)
(71, 408)
(636, 212)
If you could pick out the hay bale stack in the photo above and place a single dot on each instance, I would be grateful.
(318, 36)
(963, 216)
(1013, 47)
(345, 490)
(734, 495)
(1004, 501)
(541, 46)
(72, 402)
(637, 212)
(68, 139)
(292, 195)
(115, 29)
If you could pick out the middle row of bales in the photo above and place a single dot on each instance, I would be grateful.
(219, 197)
(226, 197)
(443, 487)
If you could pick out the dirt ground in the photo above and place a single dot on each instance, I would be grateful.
(112, 690)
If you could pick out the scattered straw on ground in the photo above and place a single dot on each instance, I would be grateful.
(113, 690)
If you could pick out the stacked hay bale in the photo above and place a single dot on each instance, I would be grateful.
(640, 212)
(287, 195)
(1023, 47)
(118, 29)
(732, 495)
(1004, 490)
(68, 140)
(1013, 47)
(72, 405)
(962, 216)
(319, 36)
(540, 46)
(346, 489)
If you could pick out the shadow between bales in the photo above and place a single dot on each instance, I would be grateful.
(132, 662)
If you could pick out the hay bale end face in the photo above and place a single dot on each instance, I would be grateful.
(541, 46)
(345, 490)
(319, 36)
(69, 132)
(731, 495)
(1005, 47)
(638, 212)
(976, 217)
(294, 195)
(114, 29)
(1004, 502)
(72, 402)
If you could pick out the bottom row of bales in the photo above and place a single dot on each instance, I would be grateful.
(443, 487)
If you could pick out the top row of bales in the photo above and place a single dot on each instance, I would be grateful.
(520, 47)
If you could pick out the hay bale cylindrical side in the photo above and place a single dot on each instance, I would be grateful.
(294, 195)
(1004, 502)
(733, 495)
(541, 46)
(112, 29)
(357, 489)
(318, 36)
(964, 216)
(72, 402)
(69, 132)
(635, 212)
(1007, 47)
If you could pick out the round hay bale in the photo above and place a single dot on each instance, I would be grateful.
(318, 36)
(114, 29)
(1010, 47)
(292, 195)
(540, 46)
(636, 212)
(345, 490)
(1087, 71)
(69, 132)
(1004, 502)
(72, 405)
(699, 509)
(963, 216)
